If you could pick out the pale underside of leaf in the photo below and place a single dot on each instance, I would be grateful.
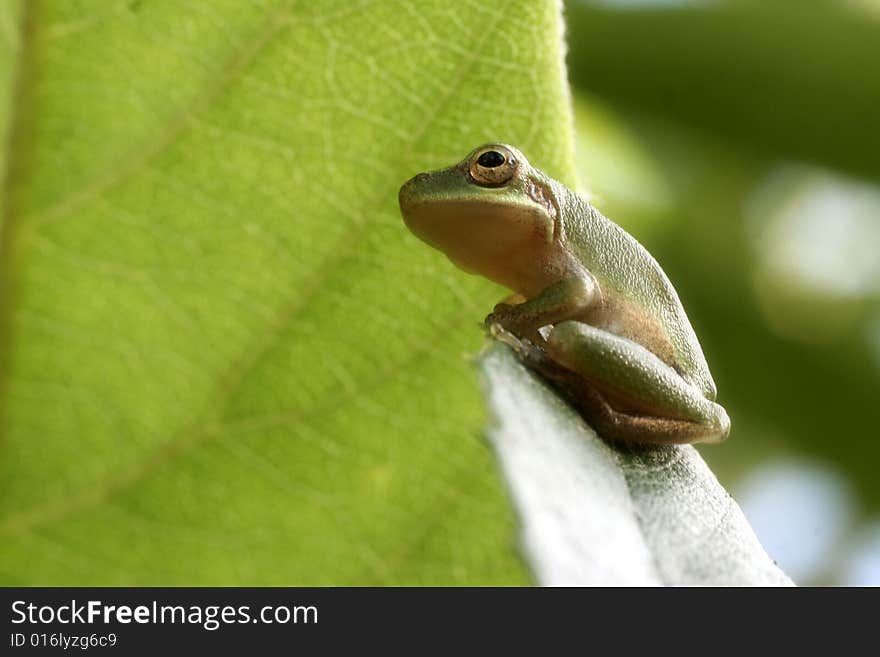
(593, 514)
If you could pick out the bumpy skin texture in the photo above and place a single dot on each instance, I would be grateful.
(595, 313)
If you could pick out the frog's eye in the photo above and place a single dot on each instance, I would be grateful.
(492, 166)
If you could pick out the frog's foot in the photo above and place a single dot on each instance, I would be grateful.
(525, 350)
(514, 299)
(627, 392)
(513, 321)
(626, 427)
(531, 355)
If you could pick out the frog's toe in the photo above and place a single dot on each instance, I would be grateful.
(719, 425)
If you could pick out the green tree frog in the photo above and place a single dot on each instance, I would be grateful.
(593, 311)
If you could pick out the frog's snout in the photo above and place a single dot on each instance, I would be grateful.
(417, 180)
(409, 191)
(407, 187)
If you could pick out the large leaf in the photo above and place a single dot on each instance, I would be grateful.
(225, 360)
(594, 514)
(9, 46)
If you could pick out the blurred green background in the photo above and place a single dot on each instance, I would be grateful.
(740, 142)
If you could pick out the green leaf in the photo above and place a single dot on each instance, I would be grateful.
(9, 47)
(593, 514)
(225, 360)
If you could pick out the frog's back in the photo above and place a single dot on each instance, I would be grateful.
(639, 301)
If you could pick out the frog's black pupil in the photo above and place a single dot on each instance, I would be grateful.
(490, 159)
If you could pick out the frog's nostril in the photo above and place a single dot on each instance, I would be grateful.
(414, 183)
(408, 189)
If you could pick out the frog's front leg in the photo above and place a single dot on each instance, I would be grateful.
(629, 392)
(563, 300)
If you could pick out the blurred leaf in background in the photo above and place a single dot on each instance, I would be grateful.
(225, 361)
(793, 77)
(756, 126)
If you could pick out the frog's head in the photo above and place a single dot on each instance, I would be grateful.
(492, 214)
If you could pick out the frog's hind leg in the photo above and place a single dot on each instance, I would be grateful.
(627, 427)
(627, 392)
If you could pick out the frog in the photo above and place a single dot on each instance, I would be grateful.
(591, 311)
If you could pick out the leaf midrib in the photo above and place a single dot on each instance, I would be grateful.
(14, 163)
